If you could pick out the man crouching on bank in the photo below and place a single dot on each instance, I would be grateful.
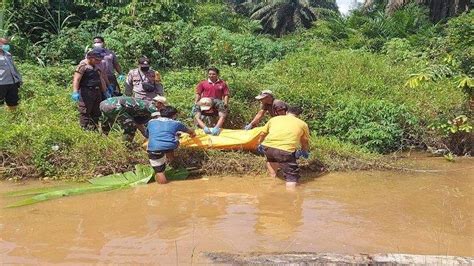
(279, 141)
(163, 140)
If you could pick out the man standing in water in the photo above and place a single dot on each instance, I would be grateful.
(280, 139)
(163, 140)
(10, 78)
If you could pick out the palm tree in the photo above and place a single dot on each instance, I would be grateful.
(439, 9)
(278, 17)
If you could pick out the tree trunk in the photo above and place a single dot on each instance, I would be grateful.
(439, 9)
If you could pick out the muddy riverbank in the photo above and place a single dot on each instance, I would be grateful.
(370, 212)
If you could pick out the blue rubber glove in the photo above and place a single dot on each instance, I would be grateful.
(248, 127)
(121, 78)
(300, 153)
(107, 94)
(111, 89)
(75, 96)
(215, 131)
(260, 149)
(207, 130)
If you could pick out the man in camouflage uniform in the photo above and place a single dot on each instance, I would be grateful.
(209, 114)
(130, 113)
(142, 82)
(88, 86)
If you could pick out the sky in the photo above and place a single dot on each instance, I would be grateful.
(344, 5)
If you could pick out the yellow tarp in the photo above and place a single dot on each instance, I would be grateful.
(228, 139)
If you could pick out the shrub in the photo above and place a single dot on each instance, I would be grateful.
(378, 125)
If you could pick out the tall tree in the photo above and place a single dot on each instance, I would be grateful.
(278, 17)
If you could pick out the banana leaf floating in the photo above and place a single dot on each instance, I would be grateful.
(142, 175)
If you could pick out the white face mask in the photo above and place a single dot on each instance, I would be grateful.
(99, 45)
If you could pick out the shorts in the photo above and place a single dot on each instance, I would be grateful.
(287, 161)
(158, 160)
(9, 94)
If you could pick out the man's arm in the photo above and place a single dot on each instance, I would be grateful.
(129, 85)
(117, 66)
(257, 118)
(261, 137)
(104, 81)
(221, 120)
(197, 118)
(226, 100)
(264, 132)
(75, 81)
(191, 132)
(304, 144)
(199, 90)
(304, 140)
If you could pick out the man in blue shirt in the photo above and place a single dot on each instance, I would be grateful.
(163, 140)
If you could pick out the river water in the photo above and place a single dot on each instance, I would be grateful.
(344, 212)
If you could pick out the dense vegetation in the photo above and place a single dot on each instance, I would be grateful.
(370, 83)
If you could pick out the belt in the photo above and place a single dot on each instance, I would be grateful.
(90, 87)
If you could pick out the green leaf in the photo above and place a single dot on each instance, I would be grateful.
(142, 175)
(58, 194)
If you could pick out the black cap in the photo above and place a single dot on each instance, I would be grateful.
(144, 61)
(96, 52)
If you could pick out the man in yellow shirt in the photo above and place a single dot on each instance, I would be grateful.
(281, 137)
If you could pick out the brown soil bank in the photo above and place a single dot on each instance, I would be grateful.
(336, 259)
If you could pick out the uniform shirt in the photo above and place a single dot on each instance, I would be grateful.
(109, 62)
(208, 89)
(124, 104)
(161, 134)
(270, 108)
(284, 132)
(8, 72)
(84, 66)
(134, 84)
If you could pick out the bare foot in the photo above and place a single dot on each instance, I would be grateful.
(161, 178)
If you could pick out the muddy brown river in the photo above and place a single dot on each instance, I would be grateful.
(427, 212)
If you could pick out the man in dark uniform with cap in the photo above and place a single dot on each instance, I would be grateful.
(88, 86)
(142, 82)
(270, 105)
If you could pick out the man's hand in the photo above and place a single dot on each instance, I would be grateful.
(215, 131)
(107, 94)
(248, 127)
(75, 96)
(260, 149)
(111, 89)
(207, 130)
(301, 153)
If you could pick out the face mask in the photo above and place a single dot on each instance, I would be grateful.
(6, 47)
(144, 69)
(99, 45)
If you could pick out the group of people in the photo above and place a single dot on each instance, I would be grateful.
(143, 106)
(283, 139)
